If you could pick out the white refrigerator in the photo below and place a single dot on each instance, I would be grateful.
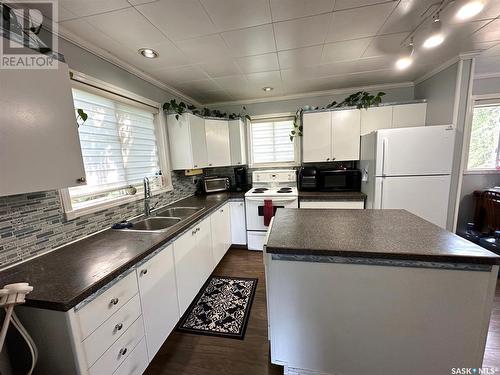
(409, 168)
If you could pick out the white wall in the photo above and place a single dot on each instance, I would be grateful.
(485, 86)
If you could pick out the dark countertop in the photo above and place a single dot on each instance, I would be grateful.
(66, 276)
(332, 196)
(382, 234)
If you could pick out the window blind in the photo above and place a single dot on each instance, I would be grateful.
(118, 146)
(271, 141)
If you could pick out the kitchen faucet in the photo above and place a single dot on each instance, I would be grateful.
(147, 197)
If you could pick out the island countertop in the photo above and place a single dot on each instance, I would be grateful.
(382, 234)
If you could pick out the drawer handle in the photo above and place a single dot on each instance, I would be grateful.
(119, 326)
(114, 301)
(144, 271)
(198, 229)
(193, 232)
(123, 351)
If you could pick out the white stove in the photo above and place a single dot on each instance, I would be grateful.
(279, 188)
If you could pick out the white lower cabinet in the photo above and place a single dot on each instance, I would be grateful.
(158, 292)
(221, 233)
(333, 204)
(136, 362)
(238, 223)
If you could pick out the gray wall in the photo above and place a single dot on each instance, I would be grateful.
(291, 105)
(439, 90)
(486, 86)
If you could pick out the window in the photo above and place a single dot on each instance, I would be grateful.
(270, 141)
(485, 137)
(119, 148)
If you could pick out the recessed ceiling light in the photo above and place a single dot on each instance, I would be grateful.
(149, 53)
(436, 36)
(470, 9)
(406, 57)
(267, 88)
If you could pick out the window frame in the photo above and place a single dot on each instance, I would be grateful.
(476, 99)
(296, 142)
(98, 87)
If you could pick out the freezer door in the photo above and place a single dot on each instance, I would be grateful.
(426, 150)
(424, 196)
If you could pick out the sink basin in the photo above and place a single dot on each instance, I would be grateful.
(154, 224)
(181, 212)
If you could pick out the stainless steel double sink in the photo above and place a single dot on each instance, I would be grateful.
(163, 219)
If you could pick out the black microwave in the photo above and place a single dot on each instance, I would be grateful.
(339, 180)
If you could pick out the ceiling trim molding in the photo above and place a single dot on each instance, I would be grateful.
(437, 70)
(487, 75)
(105, 55)
(314, 94)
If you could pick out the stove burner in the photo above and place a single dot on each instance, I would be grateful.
(257, 192)
(260, 190)
(285, 190)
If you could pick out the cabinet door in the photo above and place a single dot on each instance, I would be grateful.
(237, 142)
(346, 134)
(188, 268)
(407, 115)
(218, 149)
(316, 140)
(221, 233)
(39, 142)
(204, 250)
(198, 141)
(238, 224)
(159, 301)
(376, 118)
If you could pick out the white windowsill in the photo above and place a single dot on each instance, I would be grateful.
(118, 201)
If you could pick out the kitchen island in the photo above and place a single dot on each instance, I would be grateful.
(358, 292)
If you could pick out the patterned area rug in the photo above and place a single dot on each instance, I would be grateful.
(222, 308)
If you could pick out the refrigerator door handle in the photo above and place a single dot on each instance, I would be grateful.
(384, 154)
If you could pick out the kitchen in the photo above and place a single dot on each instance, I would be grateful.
(269, 187)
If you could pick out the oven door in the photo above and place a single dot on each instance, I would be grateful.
(255, 209)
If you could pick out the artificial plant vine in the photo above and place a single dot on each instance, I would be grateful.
(181, 107)
(360, 99)
(81, 115)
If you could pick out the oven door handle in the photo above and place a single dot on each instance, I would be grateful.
(262, 199)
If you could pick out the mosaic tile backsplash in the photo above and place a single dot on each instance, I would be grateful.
(33, 223)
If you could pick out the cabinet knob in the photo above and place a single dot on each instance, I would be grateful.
(119, 326)
(123, 351)
(144, 271)
(327, 159)
(333, 159)
(114, 301)
(198, 229)
(196, 166)
(210, 164)
(221, 210)
(193, 232)
(81, 180)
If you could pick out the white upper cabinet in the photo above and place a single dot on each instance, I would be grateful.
(237, 137)
(406, 115)
(316, 140)
(187, 143)
(375, 118)
(346, 134)
(158, 291)
(39, 142)
(218, 149)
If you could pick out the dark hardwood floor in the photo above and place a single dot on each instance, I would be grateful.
(190, 354)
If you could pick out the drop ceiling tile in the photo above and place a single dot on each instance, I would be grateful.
(491, 10)
(169, 56)
(384, 45)
(406, 16)
(348, 50)
(258, 63)
(287, 9)
(140, 2)
(127, 27)
(264, 79)
(237, 14)
(64, 14)
(251, 41)
(301, 32)
(231, 81)
(221, 68)
(300, 57)
(348, 4)
(488, 33)
(204, 49)
(179, 75)
(89, 7)
(493, 50)
(358, 23)
(214, 96)
(201, 85)
(487, 64)
(179, 19)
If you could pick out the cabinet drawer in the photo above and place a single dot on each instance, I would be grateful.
(102, 338)
(100, 309)
(136, 362)
(333, 204)
(120, 350)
